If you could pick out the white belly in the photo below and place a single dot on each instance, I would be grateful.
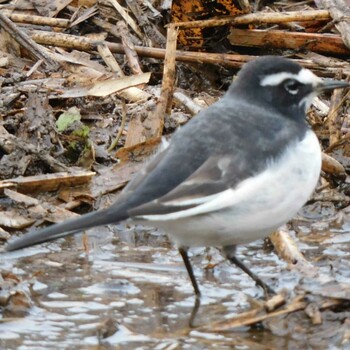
(254, 208)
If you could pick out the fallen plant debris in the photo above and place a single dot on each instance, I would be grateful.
(87, 92)
(15, 299)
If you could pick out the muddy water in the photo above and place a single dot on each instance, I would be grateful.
(131, 291)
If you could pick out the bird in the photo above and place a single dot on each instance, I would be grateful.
(233, 174)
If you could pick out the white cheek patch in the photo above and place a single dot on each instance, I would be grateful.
(305, 76)
(307, 101)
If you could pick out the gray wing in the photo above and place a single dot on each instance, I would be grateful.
(212, 178)
(197, 164)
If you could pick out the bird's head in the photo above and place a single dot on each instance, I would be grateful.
(282, 84)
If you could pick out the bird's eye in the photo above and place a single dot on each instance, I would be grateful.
(292, 86)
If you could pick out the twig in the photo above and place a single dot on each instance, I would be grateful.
(129, 48)
(109, 59)
(25, 41)
(34, 68)
(227, 60)
(122, 125)
(38, 20)
(260, 17)
(48, 182)
(168, 83)
(152, 127)
(87, 44)
(187, 102)
(334, 119)
(328, 43)
(258, 315)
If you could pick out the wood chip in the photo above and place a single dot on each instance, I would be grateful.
(48, 182)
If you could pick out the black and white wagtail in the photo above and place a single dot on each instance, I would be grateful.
(232, 175)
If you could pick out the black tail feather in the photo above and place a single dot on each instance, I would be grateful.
(66, 228)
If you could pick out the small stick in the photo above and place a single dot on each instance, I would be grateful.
(250, 318)
(227, 60)
(168, 83)
(260, 17)
(25, 41)
(152, 127)
(38, 20)
(86, 44)
(188, 103)
(288, 40)
(122, 125)
(129, 48)
(34, 68)
(334, 119)
(110, 60)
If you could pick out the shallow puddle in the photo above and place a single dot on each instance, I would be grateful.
(131, 291)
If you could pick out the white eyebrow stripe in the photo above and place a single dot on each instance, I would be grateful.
(305, 76)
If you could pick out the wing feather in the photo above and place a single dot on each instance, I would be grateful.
(206, 183)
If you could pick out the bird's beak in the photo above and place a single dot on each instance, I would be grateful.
(330, 84)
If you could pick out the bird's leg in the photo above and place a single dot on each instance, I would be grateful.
(267, 289)
(230, 254)
(183, 253)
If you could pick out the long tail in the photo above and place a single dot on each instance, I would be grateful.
(66, 228)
